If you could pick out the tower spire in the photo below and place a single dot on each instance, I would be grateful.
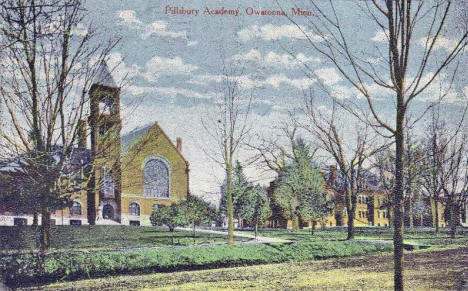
(104, 77)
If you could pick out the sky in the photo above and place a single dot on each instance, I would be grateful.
(172, 64)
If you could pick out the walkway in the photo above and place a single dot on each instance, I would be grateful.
(257, 240)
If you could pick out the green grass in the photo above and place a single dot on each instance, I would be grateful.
(425, 270)
(418, 237)
(27, 268)
(102, 237)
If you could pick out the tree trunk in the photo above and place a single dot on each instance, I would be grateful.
(389, 216)
(171, 229)
(350, 225)
(436, 215)
(35, 218)
(256, 230)
(314, 224)
(295, 223)
(453, 219)
(350, 208)
(45, 229)
(398, 196)
(230, 208)
(422, 220)
(410, 212)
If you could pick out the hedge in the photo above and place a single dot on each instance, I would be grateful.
(33, 268)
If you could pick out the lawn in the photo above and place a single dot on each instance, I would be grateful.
(102, 237)
(425, 236)
(425, 270)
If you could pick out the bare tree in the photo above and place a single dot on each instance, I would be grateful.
(228, 126)
(273, 152)
(351, 158)
(397, 20)
(50, 60)
(446, 167)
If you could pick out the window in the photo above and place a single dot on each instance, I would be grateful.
(156, 173)
(134, 209)
(107, 183)
(75, 222)
(378, 214)
(75, 209)
(20, 221)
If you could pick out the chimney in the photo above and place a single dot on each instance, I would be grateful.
(82, 134)
(179, 144)
(332, 177)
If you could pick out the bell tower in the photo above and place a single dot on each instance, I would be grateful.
(104, 188)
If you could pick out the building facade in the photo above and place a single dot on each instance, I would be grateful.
(373, 207)
(126, 177)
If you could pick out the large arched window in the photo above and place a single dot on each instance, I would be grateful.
(75, 209)
(156, 178)
(134, 209)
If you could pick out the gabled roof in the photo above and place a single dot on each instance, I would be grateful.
(79, 158)
(104, 76)
(132, 138)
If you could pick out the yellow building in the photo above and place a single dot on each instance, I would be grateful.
(119, 179)
(133, 174)
(373, 207)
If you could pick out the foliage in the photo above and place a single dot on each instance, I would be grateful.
(240, 187)
(301, 188)
(256, 205)
(35, 268)
(197, 211)
(193, 211)
(171, 216)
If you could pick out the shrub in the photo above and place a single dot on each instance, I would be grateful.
(26, 268)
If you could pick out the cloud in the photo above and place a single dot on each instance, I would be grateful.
(276, 81)
(275, 32)
(381, 36)
(129, 17)
(329, 76)
(441, 43)
(275, 60)
(345, 92)
(192, 43)
(441, 87)
(158, 27)
(205, 79)
(157, 66)
(120, 70)
(80, 30)
(246, 82)
(168, 91)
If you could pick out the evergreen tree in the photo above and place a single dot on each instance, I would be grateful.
(256, 206)
(301, 188)
(240, 187)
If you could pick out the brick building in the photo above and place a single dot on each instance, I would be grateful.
(121, 178)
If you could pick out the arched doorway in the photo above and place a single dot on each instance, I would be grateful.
(108, 212)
